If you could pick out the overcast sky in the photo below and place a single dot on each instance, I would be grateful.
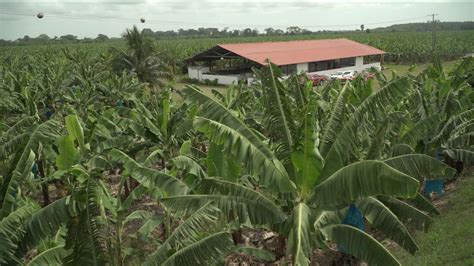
(89, 18)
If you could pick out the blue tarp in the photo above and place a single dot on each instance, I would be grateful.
(34, 170)
(435, 185)
(355, 218)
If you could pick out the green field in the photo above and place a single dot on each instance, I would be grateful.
(450, 241)
(418, 68)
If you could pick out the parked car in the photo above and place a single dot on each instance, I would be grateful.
(318, 79)
(344, 75)
(367, 75)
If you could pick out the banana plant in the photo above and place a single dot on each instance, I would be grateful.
(81, 222)
(443, 119)
(315, 181)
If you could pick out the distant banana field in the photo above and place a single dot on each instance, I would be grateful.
(400, 47)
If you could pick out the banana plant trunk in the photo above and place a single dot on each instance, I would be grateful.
(280, 250)
(237, 237)
(44, 185)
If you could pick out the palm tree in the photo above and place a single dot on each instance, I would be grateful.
(141, 59)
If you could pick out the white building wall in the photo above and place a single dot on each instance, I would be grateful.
(222, 79)
(195, 72)
(303, 67)
(357, 68)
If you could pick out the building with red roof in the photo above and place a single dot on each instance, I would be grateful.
(233, 63)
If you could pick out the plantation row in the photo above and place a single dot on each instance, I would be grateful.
(400, 47)
(103, 163)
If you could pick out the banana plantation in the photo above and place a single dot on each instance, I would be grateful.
(104, 162)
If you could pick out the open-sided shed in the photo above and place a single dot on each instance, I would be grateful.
(232, 63)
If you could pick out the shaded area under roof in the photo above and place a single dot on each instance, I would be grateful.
(291, 52)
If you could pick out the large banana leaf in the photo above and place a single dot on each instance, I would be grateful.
(274, 175)
(13, 144)
(202, 252)
(86, 235)
(423, 204)
(213, 110)
(401, 149)
(386, 221)
(233, 199)
(407, 213)
(74, 129)
(306, 158)
(47, 221)
(346, 140)
(186, 233)
(461, 141)
(420, 166)
(51, 256)
(148, 177)
(418, 131)
(326, 218)
(278, 113)
(334, 124)
(221, 163)
(19, 127)
(44, 133)
(67, 152)
(190, 166)
(191, 229)
(466, 156)
(17, 178)
(452, 122)
(362, 179)
(165, 115)
(464, 127)
(377, 144)
(137, 215)
(135, 194)
(360, 244)
(116, 142)
(299, 241)
(12, 231)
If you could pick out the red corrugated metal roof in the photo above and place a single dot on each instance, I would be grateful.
(294, 52)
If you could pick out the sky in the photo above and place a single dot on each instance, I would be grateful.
(89, 18)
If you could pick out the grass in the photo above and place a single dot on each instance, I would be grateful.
(402, 69)
(207, 89)
(450, 240)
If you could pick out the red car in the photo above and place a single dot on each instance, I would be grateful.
(317, 79)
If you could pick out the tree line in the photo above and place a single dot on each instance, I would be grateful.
(212, 32)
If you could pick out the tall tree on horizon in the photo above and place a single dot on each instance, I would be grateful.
(142, 59)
